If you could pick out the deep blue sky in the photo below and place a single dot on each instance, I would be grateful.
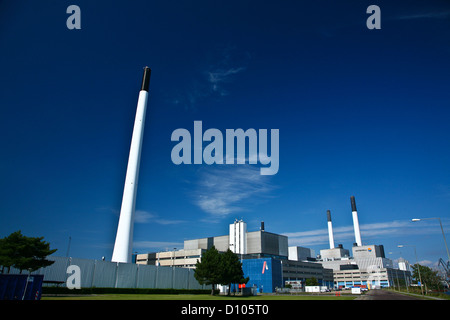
(360, 112)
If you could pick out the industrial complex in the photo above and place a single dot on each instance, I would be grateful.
(271, 263)
(266, 257)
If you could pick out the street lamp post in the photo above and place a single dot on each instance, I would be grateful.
(397, 276)
(173, 268)
(406, 281)
(417, 262)
(442, 229)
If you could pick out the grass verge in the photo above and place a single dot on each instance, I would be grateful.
(118, 296)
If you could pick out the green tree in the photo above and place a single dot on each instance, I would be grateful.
(430, 277)
(312, 282)
(24, 253)
(231, 269)
(219, 268)
(208, 270)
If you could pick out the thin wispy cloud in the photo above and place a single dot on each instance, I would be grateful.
(157, 245)
(222, 67)
(318, 236)
(142, 216)
(369, 232)
(217, 78)
(428, 15)
(225, 190)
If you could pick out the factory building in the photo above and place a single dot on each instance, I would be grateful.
(367, 266)
(265, 274)
(270, 262)
(266, 257)
(176, 258)
(298, 253)
(247, 245)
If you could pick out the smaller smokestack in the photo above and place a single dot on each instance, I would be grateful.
(355, 222)
(330, 230)
(146, 79)
(262, 225)
(353, 203)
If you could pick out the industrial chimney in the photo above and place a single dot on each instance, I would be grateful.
(355, 222)
(262, 225)
(124, 237)
(330, 230)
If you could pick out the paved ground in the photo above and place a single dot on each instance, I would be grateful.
(386, 295)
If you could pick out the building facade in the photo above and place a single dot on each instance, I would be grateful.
(367, 267)
(177, 258)
(265, 256)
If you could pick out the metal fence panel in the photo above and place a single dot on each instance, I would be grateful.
(126, 275)
(164, 277)
(105, 274)
(180, 278)
(193, 283)
(87, 268)
(146, 276)
(56, 271)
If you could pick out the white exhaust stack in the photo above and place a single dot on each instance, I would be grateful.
(330, 230)
(238, 237)
(124, 237)
(356, 222)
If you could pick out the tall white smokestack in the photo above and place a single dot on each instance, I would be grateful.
(238, 237)
(355, 222)
(124, 237)
(330, 230)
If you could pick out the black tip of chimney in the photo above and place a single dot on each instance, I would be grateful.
(146, 79)
(262, 225)
(328, 215)
(352, 200)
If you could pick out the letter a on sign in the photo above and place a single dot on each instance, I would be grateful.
(74, 280)
(74, 21)
(374, 21)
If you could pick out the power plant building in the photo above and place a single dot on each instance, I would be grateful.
(270, 262)
(368, 265)
(265, 256)
(255, 244)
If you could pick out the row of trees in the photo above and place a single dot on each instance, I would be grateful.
(430, 278)
(219, 268)
(24, 253)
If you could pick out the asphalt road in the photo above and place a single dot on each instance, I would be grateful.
(386, 295)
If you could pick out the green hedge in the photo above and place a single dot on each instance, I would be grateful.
(65, 290)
